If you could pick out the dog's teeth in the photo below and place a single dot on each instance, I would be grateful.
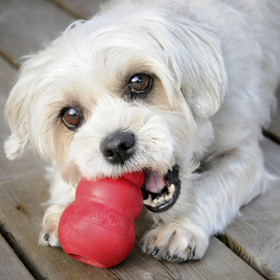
(158, 201)
(155, 202)
(171, 189)
(168, 197)
(148, 200)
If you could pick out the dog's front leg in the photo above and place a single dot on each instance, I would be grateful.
(62, 194)
(49, 232)
(229, 181)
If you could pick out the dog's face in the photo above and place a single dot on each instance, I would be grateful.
(115, 96)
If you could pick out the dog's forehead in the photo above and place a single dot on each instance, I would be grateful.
(98, 57)
(103, 69)
(119, 39)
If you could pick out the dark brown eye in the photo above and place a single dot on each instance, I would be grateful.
(72, 117)
(140, 84)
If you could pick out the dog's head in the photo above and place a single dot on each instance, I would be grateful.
(117, 94)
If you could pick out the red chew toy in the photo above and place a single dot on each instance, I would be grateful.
(98, 227)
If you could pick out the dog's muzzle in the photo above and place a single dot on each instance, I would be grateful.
(160, 192)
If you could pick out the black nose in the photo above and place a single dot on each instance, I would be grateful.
(118, 147)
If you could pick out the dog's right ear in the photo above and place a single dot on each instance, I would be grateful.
(18, 108)
(193, 55)
(202, 73)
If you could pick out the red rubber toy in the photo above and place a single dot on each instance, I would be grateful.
(98, 227)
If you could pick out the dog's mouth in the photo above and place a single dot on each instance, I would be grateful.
(160, 192)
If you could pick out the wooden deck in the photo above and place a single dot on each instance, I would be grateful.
(250, 248)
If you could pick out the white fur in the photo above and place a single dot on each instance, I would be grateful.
(217, 68)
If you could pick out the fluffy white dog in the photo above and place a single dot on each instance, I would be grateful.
(179, 89)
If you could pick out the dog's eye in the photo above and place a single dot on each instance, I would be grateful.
(140, 84)
(72, 117)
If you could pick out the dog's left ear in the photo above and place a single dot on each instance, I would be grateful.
(198, 65)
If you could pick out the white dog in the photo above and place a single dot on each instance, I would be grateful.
(179, 89)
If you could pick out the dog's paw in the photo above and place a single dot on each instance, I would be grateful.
(49, 237)
(49, 232)
(176, 242)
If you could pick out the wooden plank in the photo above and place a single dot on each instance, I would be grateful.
(23, 189)
(28, 24)
(10, 266)
(255, 236)
(84, 9)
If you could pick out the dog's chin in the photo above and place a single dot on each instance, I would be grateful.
(160, 192)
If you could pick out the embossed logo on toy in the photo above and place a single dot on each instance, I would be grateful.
(107, 217)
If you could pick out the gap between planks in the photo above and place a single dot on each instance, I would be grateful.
(9, 59)
(241, 252)
(65, 8)
(11, 241)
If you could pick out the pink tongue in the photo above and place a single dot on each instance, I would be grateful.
(153, 182)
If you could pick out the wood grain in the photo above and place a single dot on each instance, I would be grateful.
(10, 266)
(84, 9)
(26, 25)
(255, 236)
